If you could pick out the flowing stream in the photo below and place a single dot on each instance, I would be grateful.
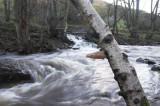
(68, 78)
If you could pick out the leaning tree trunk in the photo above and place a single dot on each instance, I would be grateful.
(125, 74)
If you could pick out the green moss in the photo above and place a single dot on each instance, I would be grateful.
(145, 102)
(156, 35)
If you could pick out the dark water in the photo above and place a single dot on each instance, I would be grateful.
(68, 78)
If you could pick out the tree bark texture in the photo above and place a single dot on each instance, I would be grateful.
(20, 7)
(125, 74)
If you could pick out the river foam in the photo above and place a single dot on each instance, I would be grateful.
(68, 78)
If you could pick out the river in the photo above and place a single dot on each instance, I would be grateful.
(68, 78)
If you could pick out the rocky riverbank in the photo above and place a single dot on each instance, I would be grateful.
(40, 40)
(122, 40)
(13, 72)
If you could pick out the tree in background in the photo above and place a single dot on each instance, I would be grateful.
(137, 19)
(21, 14)
(154, 14)
(67, 4)
(115, 27)
(132, 17)
(52, 17)
(31, 7)
(7, 6)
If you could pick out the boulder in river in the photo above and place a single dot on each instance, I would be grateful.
(147, 61)
(155, 68)
(13, 76)
(14, 72)
(150, 61)
(140, 60)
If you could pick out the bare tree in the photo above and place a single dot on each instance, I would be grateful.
(125, 74)
(31, 6)
(115, 17)
(7, 4)
(66, 17)
(137, 18)
(108, 15)
(20, 7)
(52, 18)
(132, 17)
(154, 14)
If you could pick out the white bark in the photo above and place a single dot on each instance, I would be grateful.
(125, 74)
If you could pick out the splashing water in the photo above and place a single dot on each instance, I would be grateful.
(68, 78)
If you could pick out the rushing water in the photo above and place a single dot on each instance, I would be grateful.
(68, 78)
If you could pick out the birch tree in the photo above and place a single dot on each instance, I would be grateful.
(125, 74)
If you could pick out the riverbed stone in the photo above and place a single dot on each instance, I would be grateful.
(2, 53)
(155, 68)
(13, 76)
(147, 61)
(150, 61)
(140, 60)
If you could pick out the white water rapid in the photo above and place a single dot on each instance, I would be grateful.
(68, 78)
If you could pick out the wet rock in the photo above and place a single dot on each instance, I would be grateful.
(13, 76)
(106, 94)
(127, 51)
(147, 61)
(150, 61)
(140, 60)
(2, 53)
(75, 48)
(155, 68)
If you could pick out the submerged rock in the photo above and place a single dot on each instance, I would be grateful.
(2, 53)
(75, 48)
(147, 61)
(13, 72)
(155, 68)
(140, 60)
(13, 76)
(150, 61)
